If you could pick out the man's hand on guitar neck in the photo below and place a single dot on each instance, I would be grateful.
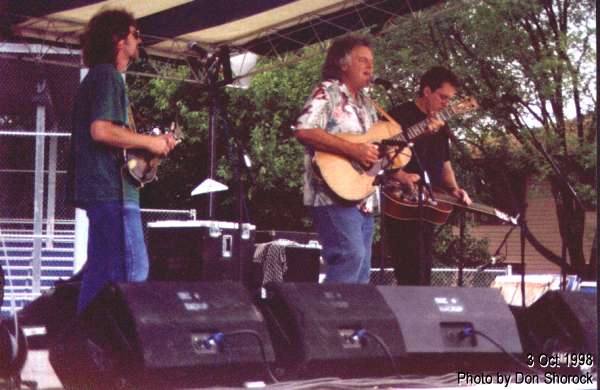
(462, 195)
(434, 124)
(160, 145)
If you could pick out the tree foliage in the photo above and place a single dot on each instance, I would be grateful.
(527, 63)
(530, 64)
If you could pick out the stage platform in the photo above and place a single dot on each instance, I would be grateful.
(37, 368)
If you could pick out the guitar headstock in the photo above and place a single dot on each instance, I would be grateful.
(465, 105)
(506, 218)
(175, 129)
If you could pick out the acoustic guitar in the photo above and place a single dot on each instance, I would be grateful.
(349, 179)
(404, 206)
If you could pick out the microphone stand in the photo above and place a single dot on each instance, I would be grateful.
(238, 154)
(218, 111)
(567, 185)
(424, 184)
(379, 182)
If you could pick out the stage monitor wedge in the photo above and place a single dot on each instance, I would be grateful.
(561, 322)
(170, 334)
(316, 327)
(438, 323)
(426, 330)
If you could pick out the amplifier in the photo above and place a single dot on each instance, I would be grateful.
(200, 251)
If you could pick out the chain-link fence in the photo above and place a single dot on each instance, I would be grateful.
(471, 277)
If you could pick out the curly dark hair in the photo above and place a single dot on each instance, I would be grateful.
(338, 54)
(435, 77)
(102, 33)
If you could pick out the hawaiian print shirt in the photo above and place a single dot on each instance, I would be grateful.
(332, 108)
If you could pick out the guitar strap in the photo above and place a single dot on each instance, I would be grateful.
(385, 114)
(130, 118)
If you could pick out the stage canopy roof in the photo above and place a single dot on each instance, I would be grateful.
(265, 27)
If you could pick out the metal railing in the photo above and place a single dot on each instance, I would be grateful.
(55, 255)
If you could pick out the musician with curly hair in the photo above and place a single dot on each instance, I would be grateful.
(116, 249)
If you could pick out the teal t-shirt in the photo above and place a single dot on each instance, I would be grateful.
(95, 168)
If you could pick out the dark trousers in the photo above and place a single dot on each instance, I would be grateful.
(402, 247)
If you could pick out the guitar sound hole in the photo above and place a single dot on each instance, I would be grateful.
(357, 167)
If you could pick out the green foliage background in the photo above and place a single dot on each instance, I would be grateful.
(524, 61)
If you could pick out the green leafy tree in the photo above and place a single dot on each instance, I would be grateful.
(525, 62)
(264, 115)
(259, 119)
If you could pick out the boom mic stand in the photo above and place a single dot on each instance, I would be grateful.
(380, 182)
(575, 197)
(218, 114)
(424, 184)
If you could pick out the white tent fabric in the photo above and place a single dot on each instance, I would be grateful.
(265, 27)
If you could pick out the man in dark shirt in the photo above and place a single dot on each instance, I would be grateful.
(436, 88)
(116, 249)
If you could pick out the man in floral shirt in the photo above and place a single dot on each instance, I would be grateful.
(339, 105)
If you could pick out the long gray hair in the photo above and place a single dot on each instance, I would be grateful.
(339, 54)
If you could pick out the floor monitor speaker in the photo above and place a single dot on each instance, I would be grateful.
(166, 334)
(454, 329)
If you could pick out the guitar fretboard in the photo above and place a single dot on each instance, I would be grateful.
(419, 128)
(473, 206)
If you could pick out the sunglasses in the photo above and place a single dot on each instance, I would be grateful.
(136, 34)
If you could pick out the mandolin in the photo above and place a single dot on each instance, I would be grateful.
(140, 165)
(404, 206)
(349, 179)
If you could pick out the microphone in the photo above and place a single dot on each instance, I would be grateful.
(384, 83)
(196, 48)
(226, 62)
(143, 54)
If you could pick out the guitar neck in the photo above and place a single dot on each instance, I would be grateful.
(477, 207)
(420, 128)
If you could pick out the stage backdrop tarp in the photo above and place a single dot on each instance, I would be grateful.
(265, 27)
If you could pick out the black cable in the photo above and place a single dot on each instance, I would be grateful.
(363, 332)
(262, 349)
(467, 332)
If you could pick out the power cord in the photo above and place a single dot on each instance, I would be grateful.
(216, 340)
(469, 331)
(362, 334)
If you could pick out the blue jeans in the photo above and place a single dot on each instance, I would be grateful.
(116, 248)
(346, 235)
